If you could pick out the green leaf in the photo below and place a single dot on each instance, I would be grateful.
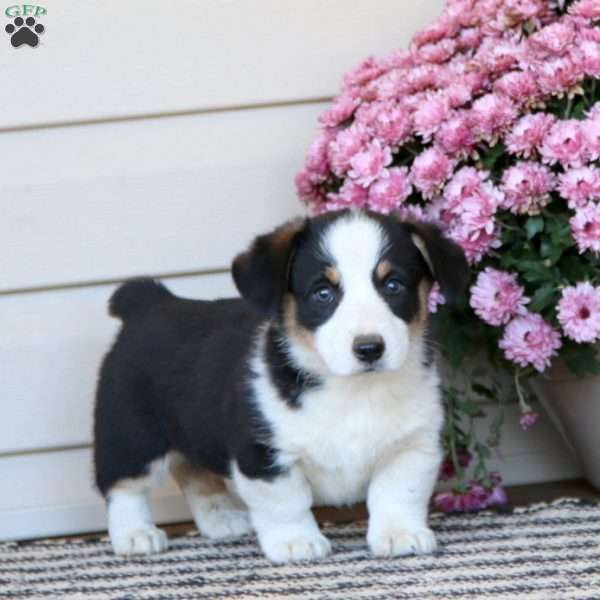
(471, 409)
(533, 226)
(534, 270)
(492, 156)
(483, 390)
(543, 297)
(582, 359)
(573, 268)
(482, 450)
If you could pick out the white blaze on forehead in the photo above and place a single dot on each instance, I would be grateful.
(355, 243)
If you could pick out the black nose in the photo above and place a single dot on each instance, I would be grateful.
(368, 348)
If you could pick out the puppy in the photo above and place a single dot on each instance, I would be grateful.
(315, 388)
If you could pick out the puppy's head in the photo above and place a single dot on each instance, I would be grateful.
(350, 288)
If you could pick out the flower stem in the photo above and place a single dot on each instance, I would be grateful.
(568, 108)
(522, 402)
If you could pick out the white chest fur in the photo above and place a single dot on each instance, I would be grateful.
(346, 427)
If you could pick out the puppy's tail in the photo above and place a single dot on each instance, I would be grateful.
(136, 295)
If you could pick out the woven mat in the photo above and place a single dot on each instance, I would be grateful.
(545, 551)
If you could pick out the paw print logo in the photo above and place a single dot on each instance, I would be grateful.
(24, 32)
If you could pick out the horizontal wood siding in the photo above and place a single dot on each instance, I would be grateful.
(110, 59)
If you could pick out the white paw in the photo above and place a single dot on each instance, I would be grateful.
(222, 522)
(302, 547)
(143, 540)
(395, 541)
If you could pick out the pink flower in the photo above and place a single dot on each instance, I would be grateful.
(348, 143)
(316, 157)
(342, 109)
(590, 57)
(591, 133)
(476, 243)
(587, 9)
(420, 78)
(458, 93)
(369, 165)
(585, 228)
(496, 55)
(469, 38)
(528, 419)
(448, 471)
(565, 143)
(491, 114)
(411, 212)
(579, 312)
(526, 187)
(435, 298)
(388, 120)
(553, 40)
(308, 190)
(350, 194)
(497, 495)
(387, 193)
(430, 115)
(474, 497)
(519, 86)
(440, 29)
(558, 75)
(496, 297)
(391, 85)
(472, 201)
(436, 52)
(430, 170)
(580, 185)
(594, 112)
(456, 136)
(528, 133)
(368, 69)
(529, 340)
(519, 11)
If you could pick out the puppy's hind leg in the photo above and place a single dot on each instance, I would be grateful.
(217, 513)
(130, 524)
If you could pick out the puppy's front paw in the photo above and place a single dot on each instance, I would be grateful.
(395, 541)
(144, 540)
(300, 547)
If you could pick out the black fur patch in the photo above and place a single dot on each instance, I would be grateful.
(290, 381)
(308, 275)
(406, 266)
(176, 379)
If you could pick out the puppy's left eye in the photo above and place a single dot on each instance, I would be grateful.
(392, 286)
(324, 294)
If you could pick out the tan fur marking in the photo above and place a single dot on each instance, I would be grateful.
(420, 244)
(196, 480)
(282, 235)
(333, 275)
(417, 325)
(383, 269)
(295, 331)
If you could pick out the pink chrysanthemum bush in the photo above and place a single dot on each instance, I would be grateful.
(488, 126)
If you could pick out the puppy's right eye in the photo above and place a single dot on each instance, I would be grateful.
(324, 294)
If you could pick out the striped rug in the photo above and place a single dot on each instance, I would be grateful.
(545, 551)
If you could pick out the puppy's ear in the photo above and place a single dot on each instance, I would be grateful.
(261, 273)
(445, 259)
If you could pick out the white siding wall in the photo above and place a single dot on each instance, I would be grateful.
(152, 138)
